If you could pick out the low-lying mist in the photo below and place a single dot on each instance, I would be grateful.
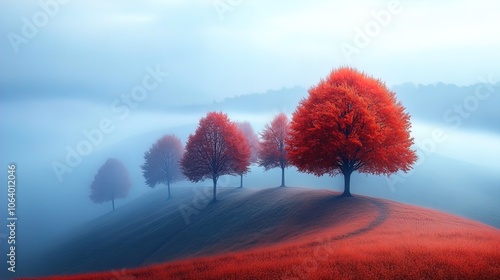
(58, 146)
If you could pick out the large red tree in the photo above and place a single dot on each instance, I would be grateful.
(162, 162)
(273, 147)
(350, 122)
(252, 142)
(110, 182)
(216, 148)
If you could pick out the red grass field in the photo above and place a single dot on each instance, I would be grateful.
(347, 238)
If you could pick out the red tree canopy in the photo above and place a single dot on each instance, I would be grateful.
(162, 164)
(273, 151)
(216, 148)
(252, 139)
(349, 122)
(110, 182)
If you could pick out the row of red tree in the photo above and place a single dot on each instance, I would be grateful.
(218, 147)
(349, 122)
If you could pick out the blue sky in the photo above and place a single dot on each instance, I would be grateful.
(216, 49)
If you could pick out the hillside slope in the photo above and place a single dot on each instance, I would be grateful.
(276, 233)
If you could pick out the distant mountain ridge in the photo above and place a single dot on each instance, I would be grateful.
(282, 100)
(473, 107)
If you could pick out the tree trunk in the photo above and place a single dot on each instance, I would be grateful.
(241, 180)
(113, 203)
(347, 184)
(168, 186)
(214, 199)
(282, 176)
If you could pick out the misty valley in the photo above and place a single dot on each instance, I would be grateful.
(466, 186)
(249, 140)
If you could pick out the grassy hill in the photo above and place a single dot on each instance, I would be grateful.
(278, 233)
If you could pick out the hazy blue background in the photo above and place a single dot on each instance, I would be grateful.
(254, 60)
(100, 48)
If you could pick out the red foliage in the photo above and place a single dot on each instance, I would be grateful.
(162, 162)
(110, 182)
(273, 147)
(410, 243)
(216, 148)
(350, 122)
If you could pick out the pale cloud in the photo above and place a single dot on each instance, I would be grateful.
(452, 24)
(259, 45)
(130, 19)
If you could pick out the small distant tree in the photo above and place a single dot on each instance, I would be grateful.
(162, 162)
(273, 151)
(349, 122)
(110, 182)
(216, 148)
(253, 144)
